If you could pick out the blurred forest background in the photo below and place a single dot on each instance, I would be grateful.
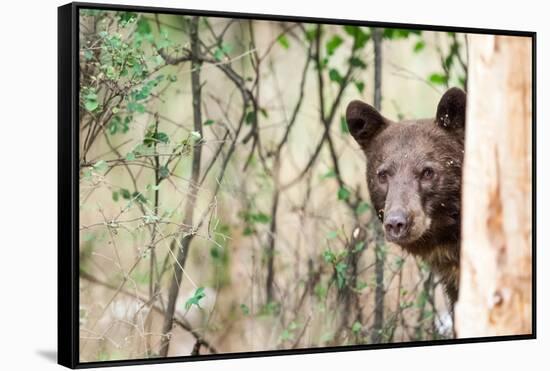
(223, 203)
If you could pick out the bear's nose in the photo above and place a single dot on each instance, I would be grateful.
(395, 224)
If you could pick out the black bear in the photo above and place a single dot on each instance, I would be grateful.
(414, 171)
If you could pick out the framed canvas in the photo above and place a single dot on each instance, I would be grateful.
(241, 185)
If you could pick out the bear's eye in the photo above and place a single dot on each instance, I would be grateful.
(427, 173)
(382, 176)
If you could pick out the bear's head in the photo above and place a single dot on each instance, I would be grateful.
(414, 170)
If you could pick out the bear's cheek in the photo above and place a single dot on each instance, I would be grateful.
(378, 198)
(434, 187)
(438, 198)
(422, 223)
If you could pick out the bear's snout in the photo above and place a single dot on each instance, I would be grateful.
(396, 225)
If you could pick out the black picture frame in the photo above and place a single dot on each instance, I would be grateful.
(68, 187)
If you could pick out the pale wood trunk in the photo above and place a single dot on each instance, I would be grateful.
(496, 261)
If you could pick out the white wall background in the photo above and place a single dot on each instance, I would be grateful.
(28, 185)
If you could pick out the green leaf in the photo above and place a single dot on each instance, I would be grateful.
(360, 37)
(422, 299)
(164, 41)
(143, 27)
(320, 291)
(399, 261)
(343, 193)
(139, 197)
(341, 268)
(208, 122)
(344, 125)
(115, 196)
(87, 237)
(195, 299)
(164, 172)
(195, 135)
(335, 76)
(87, 174)
(362, 208)
(398, 33)
(215, 252)
(333, 44)
(130, 156)
(361, 40)
(449, 61)
(136, 107)
(356, 327)
(381, 251)
(327, 337)
(462, 81)
(218, 54)
(150, 218)
(261, 218)
(311, 33)
(125, 193)
(358, 246)
(227, 48)
(90, 101)
(222, 51)
(158, 137)
(271, 308)
(159, 61)
(283, 41)
(88, 55)
(286, 335)
(126, 17)
(161, 137)
(438, 79)
(323, 63)
(419, 46)
(329, 174)
(143, 93)
(248, 231)
(388, 33)
(251, 218)
(245, 309)
(351, 30)
(360, 86)
(100, 166)
(152, 187)
(115, 124)
(249, 119)
(357, 62)
(329, 256)
(332, 235)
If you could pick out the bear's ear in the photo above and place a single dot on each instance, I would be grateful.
(364, 121)
(451, 110)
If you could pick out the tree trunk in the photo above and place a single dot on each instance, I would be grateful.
(185, 243)
(496, 265)
(379, 255)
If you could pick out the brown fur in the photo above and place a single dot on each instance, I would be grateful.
(414, 170)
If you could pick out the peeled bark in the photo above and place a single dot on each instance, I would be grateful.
(496, 257)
